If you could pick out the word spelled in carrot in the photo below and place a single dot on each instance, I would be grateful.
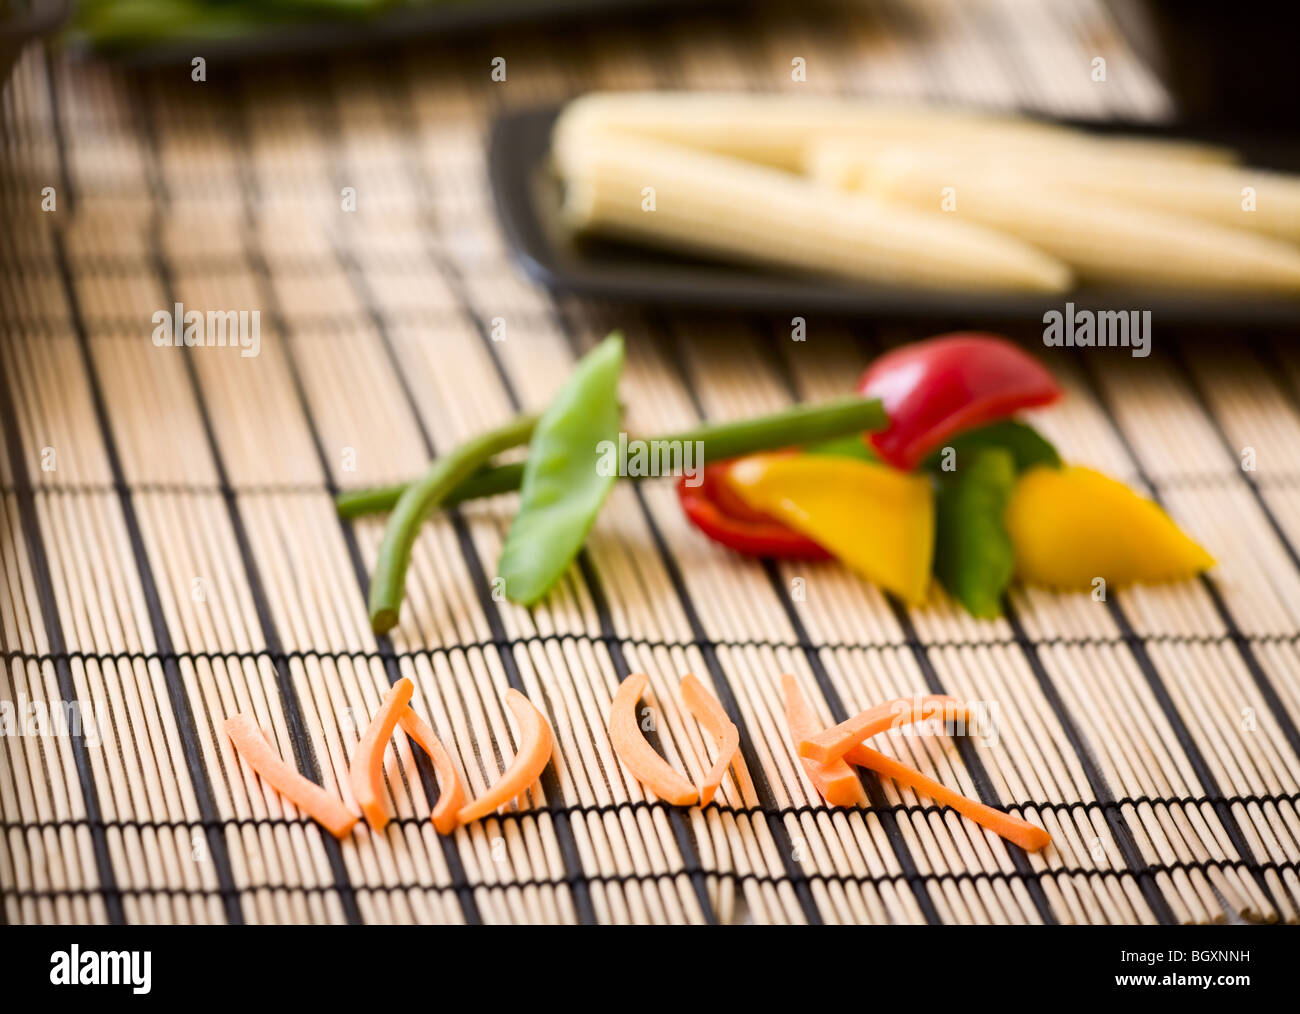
(836, 782)
(726, 737)
(835, 742)
(1013, 829)
(535, 745)
(451, 789)
(310, 798)
(366, 774)
(647, 767)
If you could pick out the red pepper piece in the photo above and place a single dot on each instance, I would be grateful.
(935, 389)
(721, 515)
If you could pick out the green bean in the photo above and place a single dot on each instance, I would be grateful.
(415, 504)
(487, 481)
(563, 489)
(794, 427)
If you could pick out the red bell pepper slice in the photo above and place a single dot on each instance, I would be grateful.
(935, 389)
(721, 515)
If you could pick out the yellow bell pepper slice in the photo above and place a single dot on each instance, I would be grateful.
(877, 520)
(1072, 525)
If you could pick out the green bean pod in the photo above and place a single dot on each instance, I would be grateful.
(562, 488)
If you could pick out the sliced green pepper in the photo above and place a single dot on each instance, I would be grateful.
(973, 555)
(1027, 446)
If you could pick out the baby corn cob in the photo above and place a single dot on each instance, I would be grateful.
(1102, 239)
(677, 197)
(775, 129)
(1122, 171)
(1234, 196)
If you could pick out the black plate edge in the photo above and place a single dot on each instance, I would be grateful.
(519, 140)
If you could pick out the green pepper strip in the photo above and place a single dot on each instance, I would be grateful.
(795, 427)
(417, 501)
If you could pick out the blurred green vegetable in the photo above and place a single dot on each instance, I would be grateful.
(973, 556)
(417, 502)
(1025, 444)
(126, 24)
(562, 488)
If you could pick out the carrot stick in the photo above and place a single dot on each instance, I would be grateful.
(837, 783)
(835, 742)
(726, 737)
(451, 790)
(647, 767)
(1013, 829)
(535, 744)
(310, 798)
(366, 774)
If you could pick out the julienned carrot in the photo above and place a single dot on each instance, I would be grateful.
(1019, 832)
(647, 767)
(258, 754)
(535, 744)
(837, 783)
(366, 774)
(726, 737)
(835, 742)
(451, 789)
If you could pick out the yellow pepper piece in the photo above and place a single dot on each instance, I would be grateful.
(876, 519)
(1072, 525)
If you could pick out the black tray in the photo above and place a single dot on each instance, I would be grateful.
(527, 197)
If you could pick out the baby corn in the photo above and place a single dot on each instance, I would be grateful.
(775, 129)
(1101, 238)
(1239, 197)
(685, 199)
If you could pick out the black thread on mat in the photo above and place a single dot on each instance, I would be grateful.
(872, 786)
(385, 652)
(40, 565)
(838, 711)
(564, 835)
(681, 830)
(60, 137)
(186, 726)
(978, 774)
(290, 706)
(727, 697)
(1239, 639)
(358, 654)
(708, 651)
(686, 844)
(798, 880)
(875, 794)
(1152, 675)
(384, 645)
(1119, 829)
(638, 805)
(970, 758)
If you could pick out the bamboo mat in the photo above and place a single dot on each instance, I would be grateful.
(170, 554)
